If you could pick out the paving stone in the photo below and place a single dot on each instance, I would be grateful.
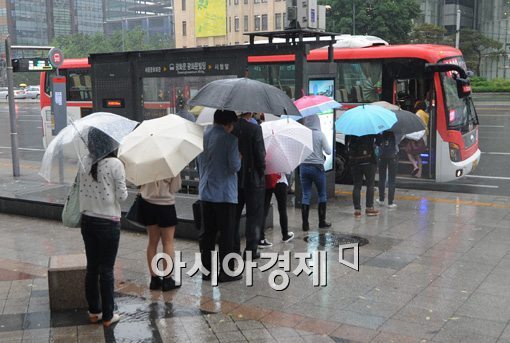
(282, 332)
(354, 333)
(461, 328)
(256, 334)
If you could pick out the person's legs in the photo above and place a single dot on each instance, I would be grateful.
(420, 165)
(254, 215)
(319, 178)
(93, 262)
(357, 180)
(383, 166)
(207, 240)
(154, 233)
(280, 192)
(109, 234)
(226, 214)
(392, 176)
(267, 203)
(369, 172)
(167, 239)
(306, 190)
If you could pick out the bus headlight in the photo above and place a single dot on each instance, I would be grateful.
(454, 152)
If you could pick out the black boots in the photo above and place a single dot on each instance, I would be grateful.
(305, 209)
(323, 224)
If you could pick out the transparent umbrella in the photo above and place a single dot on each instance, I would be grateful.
(84, 142)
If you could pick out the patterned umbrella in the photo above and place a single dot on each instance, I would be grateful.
(313, 104)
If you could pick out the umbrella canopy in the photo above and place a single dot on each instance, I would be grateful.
(386, 105)
(287, 143)
(206, 116)
(365, 120)
(87, 139)
(160, 148)
(313, 104)
(244, 95)
(407, 122)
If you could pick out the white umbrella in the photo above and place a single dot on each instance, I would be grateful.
(160, 148)
(287, 143)
(206, 116)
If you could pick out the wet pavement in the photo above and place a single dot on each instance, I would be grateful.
(436, 269)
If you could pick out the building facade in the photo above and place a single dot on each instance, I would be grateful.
(197, 24)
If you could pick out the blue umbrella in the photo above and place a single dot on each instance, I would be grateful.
(365, 120)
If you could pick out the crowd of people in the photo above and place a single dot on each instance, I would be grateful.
(232, 177)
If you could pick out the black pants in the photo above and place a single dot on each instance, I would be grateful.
(254, 200)
(101, 237)
(280, 192)
(217, 217)
(358, 172)
(390, 165)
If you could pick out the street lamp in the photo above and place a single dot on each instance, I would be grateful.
(353, 17)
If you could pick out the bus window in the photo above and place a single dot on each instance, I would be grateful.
(359, 81)
(79, 85)
(281, 76)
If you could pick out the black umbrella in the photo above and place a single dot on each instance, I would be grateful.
(407, 122)
(244, 95)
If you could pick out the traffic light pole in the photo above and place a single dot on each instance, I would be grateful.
(12, 110)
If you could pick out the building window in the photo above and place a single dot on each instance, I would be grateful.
(256, 1)
(264, 1)
(278, 21)
(245, 23)
(236, 2)
(236, 24)
(229, 24)
(256, 19)
(246, 2)
(183, 5)
(184, 28)
(264, 22)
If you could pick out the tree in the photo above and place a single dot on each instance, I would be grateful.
(429, 34)
(390, 20)
(82, 45)
(474, 45)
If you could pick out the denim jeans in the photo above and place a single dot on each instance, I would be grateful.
(101, 237)
(358, 171)
(390, 165)
(309, 174)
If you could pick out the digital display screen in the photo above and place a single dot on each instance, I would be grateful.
(113, 103)
(31, 64)
(325, 87)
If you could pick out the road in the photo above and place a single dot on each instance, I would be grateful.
(491, 177)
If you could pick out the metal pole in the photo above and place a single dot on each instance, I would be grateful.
(12, 109)
(353, 18)
(457, 30)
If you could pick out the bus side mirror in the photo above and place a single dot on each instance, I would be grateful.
(463, 87)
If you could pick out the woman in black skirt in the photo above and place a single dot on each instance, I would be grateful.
(160, 218)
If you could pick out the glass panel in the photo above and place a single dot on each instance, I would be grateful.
(359, 81)
(281, 76)
(78, 84)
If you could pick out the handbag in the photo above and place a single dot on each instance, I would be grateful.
(197, 214)
(134, 215)
(71, 216)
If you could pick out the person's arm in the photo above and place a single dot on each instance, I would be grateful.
(233, 157)
(175, 183)
(325, 145)
(259, 150)
(119, 179)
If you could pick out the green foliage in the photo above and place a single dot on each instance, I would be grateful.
(480, 85)
(429, 34)
(29, 78)
(473, 45)
(81, 45)
(390, 20)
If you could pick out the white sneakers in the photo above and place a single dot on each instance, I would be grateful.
(115, 319)
(381, 203)
(392, 205)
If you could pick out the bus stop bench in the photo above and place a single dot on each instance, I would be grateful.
(66, 282)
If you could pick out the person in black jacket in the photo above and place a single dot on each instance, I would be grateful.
(361, 153)
(251, 179)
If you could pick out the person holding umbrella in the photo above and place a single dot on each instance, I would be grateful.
(388, 143)
(312, 171)
(102, 188)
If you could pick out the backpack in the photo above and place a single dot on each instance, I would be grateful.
(387, 146)
(360, 150)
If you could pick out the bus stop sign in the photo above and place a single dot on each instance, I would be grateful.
(56, 57)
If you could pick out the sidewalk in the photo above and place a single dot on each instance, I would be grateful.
(435, 269)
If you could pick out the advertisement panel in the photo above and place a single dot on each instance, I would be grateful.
(211, 18)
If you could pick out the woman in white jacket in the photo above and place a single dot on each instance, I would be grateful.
(160, 218)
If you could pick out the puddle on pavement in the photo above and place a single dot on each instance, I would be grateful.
(329, 239)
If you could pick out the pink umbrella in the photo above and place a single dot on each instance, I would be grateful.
(313, 104)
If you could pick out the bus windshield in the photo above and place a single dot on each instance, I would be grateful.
(460, 112)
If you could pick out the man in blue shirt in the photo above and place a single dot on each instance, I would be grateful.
(218, 166)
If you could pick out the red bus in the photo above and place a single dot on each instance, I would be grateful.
(79, 94)
(399, 74)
